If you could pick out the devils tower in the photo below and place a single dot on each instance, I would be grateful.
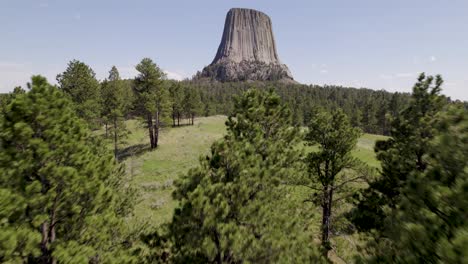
(247, 50)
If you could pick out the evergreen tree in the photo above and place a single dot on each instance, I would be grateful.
(331, 168)
(113, 102)
(401, 155)
(192, 103)
(369, 118)
(151, 97)
(176, 92)
(62, 195)
(5, 99)
(429, 224)
(233, 207)
(79, 82)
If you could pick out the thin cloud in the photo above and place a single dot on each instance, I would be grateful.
(432, 58)
(323, 72)
(129, 72)
(174, 75)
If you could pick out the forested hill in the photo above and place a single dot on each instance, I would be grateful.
(366, 108)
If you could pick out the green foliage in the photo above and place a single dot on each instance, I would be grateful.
(176, 93)
(79, 82)
(113, 98)
(152, 97)
(368, 109)
(5, 99)
(114, 105)
(185, 102)
(429, 224)
(234, 207)
(192, 104)
(401, 155)
(62, 195)
(331, 169)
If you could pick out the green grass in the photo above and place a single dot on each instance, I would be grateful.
(153, 172)
(365, 149)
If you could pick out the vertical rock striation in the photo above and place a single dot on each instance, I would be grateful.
(247, 50)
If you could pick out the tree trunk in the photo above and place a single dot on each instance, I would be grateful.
(149, 120)
(107, 130)
(193, 117)
(52, 228)
(326, 218)
(156, 130)
(218, 257)
(178, 118)
(45, 242)
(49, 234)
(115, 137)
(173, 116)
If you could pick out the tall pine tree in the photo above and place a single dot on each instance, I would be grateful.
(331, 168)
(79, 82)
(429, 224)
(62, 195)
(152, 97)
(113, 102)
(234, 207)
(401, 155)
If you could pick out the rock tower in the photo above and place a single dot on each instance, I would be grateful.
(247, 50)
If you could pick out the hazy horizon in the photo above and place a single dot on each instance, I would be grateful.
(360, 44)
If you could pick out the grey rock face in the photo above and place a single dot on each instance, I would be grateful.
(247, 50)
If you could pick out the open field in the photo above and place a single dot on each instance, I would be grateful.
(153, 172)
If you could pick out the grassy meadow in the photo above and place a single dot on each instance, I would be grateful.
(180, 148)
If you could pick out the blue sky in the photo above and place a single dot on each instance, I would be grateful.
(361, 43)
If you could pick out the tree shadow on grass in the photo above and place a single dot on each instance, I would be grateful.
(181, 125)
(135, 150)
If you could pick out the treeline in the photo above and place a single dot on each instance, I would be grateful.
(156, 101)
(178, 103)
(367, 109)
(149, 96)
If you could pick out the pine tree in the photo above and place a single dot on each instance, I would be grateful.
(192, 103)
(401, 155)
(331, 168)
(5, 99)
(429, 224)
(79, 82)
(62, 195)
(234, 207)
(113, 102)
(152, 97)
(176, 92)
